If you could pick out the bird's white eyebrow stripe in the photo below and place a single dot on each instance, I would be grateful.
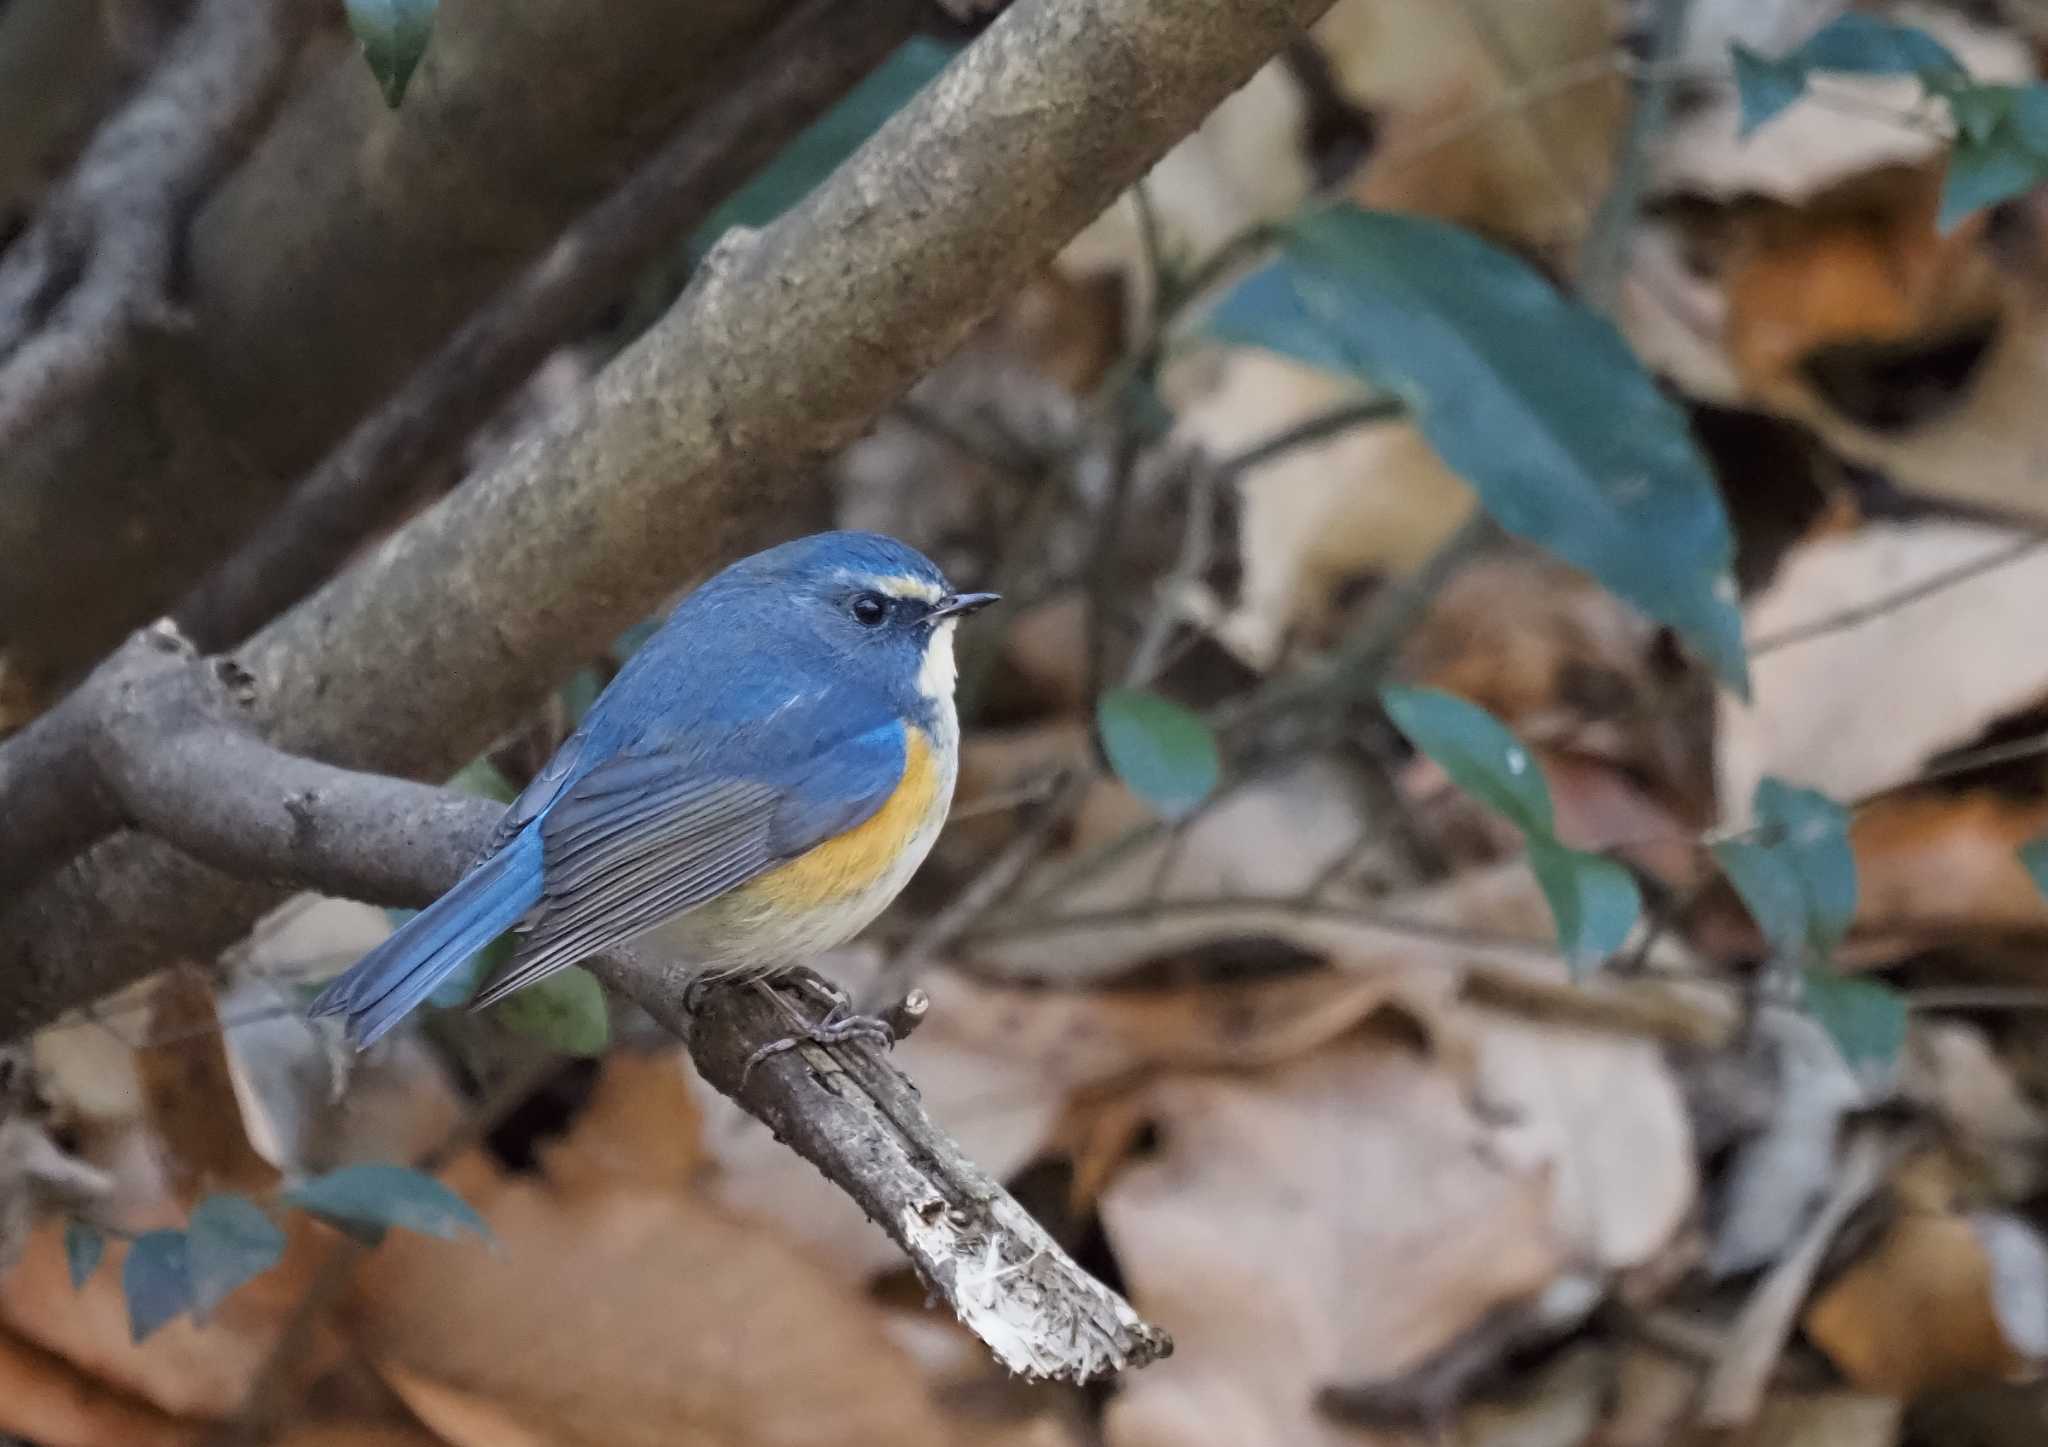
(903, 585)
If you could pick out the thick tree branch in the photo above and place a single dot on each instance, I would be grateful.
(696, 443)
(95, 270)
(813, 58)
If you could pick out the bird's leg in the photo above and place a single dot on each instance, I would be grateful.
(837, 1026)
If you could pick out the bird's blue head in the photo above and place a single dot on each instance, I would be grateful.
(868, 606)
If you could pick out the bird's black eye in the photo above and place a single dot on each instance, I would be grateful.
(869, 609)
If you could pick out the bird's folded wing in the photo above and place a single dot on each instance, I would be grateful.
(639, 840)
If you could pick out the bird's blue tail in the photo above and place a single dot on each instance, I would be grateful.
(385, 984)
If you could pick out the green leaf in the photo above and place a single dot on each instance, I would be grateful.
(228, 1242)
(1795, 871)
(1852, 44)
(393, 34)
(1985, 172)
(1859, 44)
(368, 1199)
(156, 1282)
(1594, 900)
(1765, 87)
(1533, 399)
(1980, 111)
(1866, 1020)
(566, 1011)
(83, 1248)
(2028, 117)
(2034, 855)
(1166, 754)
(818, 150)
(484, 779)
(1477, 750)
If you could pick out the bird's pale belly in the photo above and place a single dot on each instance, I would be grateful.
(829, 895)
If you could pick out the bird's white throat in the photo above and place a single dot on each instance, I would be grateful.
(939, 672)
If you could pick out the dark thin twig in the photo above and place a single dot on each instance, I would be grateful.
(1605, 257)
(1862, 613)
(1320, 427)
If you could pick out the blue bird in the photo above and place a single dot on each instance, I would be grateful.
(754, 787)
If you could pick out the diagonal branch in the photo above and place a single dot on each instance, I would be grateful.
(94, 272)
(812, 58)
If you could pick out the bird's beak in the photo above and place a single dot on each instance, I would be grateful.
(959, 605)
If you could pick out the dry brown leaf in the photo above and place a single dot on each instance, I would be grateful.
(359, 1434)
(1916, 1313)
(640, 1127)
(49, 1402)
(1517, 139)
(1935, 860)
(189, 1093)
(1816, 1419)
(1342, 1217)
(1373, 500)
(185, 1369)
(1863, 708)
(1601, 1114)
(630, 1316)
(998, 1066)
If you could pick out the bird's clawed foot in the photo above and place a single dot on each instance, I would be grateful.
(837, 1026)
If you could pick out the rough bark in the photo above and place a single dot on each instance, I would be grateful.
(698, 441)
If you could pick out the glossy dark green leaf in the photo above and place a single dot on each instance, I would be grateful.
(2028, 116)
(228, 1242)
(566, 1012)
(393, 35)
(1594, 900)
(2034, 855)
(156, 1282)
(1529, 396)
(367, 1199)
(1765, 88)
(1866, 1020)
(819, 148)
(1852, 44)
(1984, 172)
(1477, 750)
(84, 1246)
(1165, 754)
(1794, 870)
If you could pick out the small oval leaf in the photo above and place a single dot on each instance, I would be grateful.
(393, 35)
(1594, 900)
(369, 1198)
(1477, 750)
(1866, 1020)
(1794, 870)
(1166, 754)
(84, 1246)
(566, 1012)
(156, 1282)
(1531, 397)
(228, 1242)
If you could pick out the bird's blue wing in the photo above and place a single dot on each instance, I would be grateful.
(636, 841)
